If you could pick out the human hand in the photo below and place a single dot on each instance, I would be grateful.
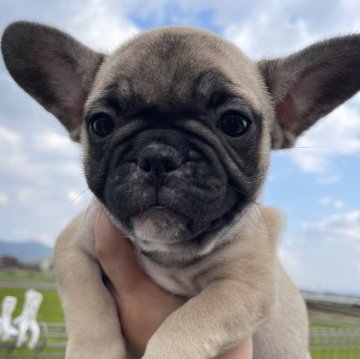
(142, 305)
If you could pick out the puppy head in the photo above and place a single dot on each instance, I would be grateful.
(185, 146)
(177, 124)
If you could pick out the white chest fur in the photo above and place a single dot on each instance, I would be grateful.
(190, 280)
(253, 238)
(186, 282)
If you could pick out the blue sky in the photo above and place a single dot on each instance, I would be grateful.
(315, 184)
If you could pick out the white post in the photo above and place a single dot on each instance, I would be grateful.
(26, 321)
(7, 331)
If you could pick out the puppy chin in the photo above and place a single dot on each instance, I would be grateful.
(159, 227)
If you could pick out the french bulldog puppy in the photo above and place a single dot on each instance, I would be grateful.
(177, 127)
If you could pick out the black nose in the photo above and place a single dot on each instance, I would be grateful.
(158, 159)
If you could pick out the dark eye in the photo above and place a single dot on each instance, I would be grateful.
(234, 124)
(102, 125)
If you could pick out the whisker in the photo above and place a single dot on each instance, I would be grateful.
(301, 147)
(74, 200)
(90, 205)
(254, 205)
(258, 206)
(235, 189)
(60, 133)
(101, 212)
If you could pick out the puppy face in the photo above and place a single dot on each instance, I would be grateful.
(177, 144)
(177, 124)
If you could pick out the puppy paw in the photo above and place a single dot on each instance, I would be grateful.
(171, 349)
(95, 352)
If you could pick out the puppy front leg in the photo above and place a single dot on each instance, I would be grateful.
(92, 322)
(222, 315)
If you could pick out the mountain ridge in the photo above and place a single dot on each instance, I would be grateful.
(28, 251)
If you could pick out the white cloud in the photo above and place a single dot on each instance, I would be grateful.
(332, 202)
(266, 34)
(325, 254)
(34, 162)
(328, 179)
(276, 28)
(27, 196)
(339, 204)
(33, 170)
(264, 27)
(8, 137)
(339, 227)
(326, 200)
(50, 141)
(101, 25)
(3, 199)
(46, 239)
(336, 134)
(21, 233)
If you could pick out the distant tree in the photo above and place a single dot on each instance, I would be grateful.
(9, 261)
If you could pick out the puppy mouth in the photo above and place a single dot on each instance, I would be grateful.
(163, 225)
(160, 224)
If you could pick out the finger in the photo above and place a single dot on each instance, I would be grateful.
(116, 254)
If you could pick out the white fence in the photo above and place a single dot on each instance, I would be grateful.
(51, 345)
(325, 343)
(335, 343)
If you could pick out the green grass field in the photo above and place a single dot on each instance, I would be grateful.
(21, 275)
(50, 310)
(336, 353)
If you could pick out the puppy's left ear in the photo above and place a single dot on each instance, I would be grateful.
(53, 67)
(310, 84)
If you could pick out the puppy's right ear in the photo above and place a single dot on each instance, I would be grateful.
(310, 83)
(54, 68)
